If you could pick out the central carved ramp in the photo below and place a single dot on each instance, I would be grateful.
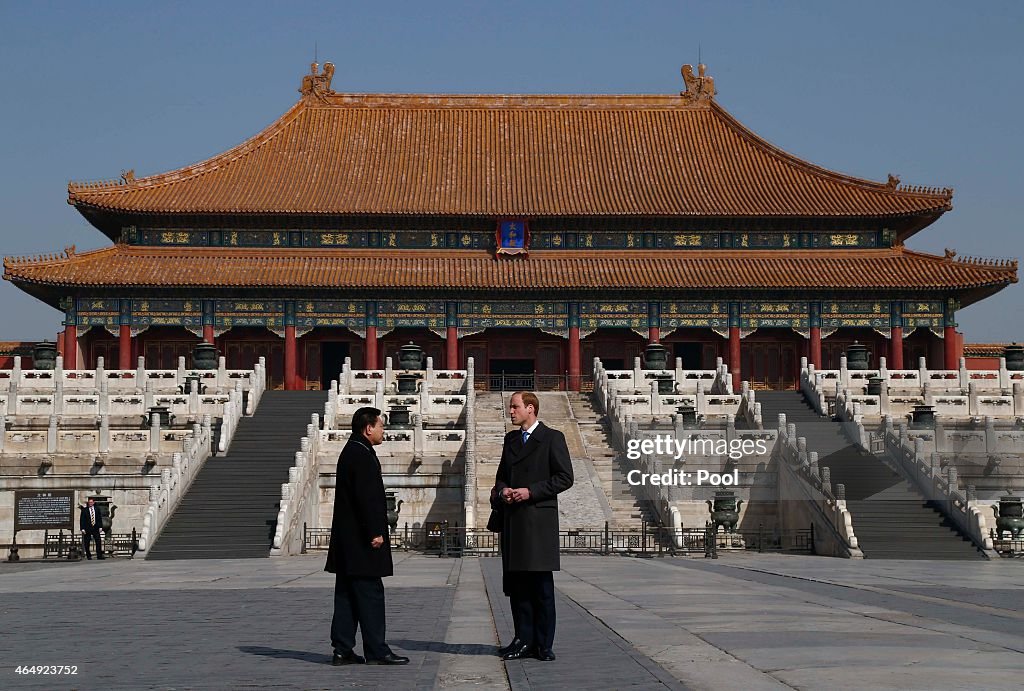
(583, 505)
(231, 509)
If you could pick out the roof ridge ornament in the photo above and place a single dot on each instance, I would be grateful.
(316, 84)
(699, 88)
(893, 182)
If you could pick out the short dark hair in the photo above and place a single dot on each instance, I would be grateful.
(364, 417)
(529, 398)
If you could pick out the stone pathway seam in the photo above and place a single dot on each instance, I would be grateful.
(696, 635)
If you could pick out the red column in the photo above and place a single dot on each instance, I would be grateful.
(289, 358)
(950, 349)
(371, 347)
(452, 342)
(70, 347)
(574, 358)
(124, 347)
(734, 356)
(654, 334)
(208, 333)
(816, 347)
(896, 349)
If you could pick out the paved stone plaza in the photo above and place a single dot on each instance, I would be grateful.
(741, 622)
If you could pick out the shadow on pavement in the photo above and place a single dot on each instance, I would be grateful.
(304, 655)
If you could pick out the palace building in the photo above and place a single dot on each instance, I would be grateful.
(531, 233)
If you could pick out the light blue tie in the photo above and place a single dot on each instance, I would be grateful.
(526, 435)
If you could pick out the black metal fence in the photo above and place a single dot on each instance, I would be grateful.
(1008, 547)
(69, 546)
(446, 540)
(502, 381)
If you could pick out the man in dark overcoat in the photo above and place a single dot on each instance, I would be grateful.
(534, 468)
(91, 524)
(360, 549)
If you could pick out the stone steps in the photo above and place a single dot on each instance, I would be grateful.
(230, 510)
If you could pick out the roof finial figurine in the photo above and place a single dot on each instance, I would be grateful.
(950, 254)
(315, 84)
(893, 182)
(128, 176)
(700, 87)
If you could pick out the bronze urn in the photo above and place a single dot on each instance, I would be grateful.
(656, 357)
(44, 355)
(1014, 355)
(857, 356)
(1009, 516)
(725, 510)
(204, 356)
(412, 357)
(394, 505)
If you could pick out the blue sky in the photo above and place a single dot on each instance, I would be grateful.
(930, 91)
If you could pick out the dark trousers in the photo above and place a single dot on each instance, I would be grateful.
(532, 598)
(97, 536)
(359, 602)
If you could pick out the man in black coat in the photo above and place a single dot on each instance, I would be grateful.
(360, 551)
(91, 524)
(534, 468)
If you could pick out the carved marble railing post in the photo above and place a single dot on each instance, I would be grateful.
(104, 396)
(378, 395)
(470, 486)
(154, 433)
(3, 430)
(51, 435)
(638, 375)
(12, 397)
(58, 396)
(345, 378)
(140, 374)
(389, 371)
(417, 436)
(425, 396)
(104, 433)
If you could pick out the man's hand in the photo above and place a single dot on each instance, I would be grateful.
(521, 494)
(377, 542)
(506, 494)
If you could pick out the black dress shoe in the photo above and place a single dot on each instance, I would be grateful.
(389, 659)
(349, 658)
(524, 650)
(545, 655)
(516, 642)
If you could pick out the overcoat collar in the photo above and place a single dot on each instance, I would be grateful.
(521, 451)
(361, 442)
